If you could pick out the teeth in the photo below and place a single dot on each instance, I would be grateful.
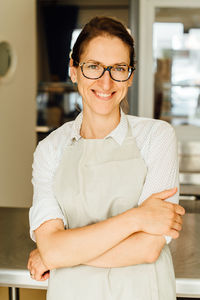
(103, 95)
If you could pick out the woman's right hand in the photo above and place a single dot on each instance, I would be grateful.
(38, 270)
(161, 217)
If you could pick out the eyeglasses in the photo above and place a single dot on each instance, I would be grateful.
(95, 70)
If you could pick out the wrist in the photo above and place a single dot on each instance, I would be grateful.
(134, 219)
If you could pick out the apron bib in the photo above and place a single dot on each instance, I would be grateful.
(97, 179)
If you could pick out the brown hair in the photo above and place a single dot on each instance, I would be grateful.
(98, 26)
(104, 26)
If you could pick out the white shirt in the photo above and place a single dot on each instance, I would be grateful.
(158, 146)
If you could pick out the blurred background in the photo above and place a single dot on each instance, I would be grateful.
(37, 96)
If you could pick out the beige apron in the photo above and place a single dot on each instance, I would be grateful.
(97, 179)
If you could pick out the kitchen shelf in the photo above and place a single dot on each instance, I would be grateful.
(57, 87)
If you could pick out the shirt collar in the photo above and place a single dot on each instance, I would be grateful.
(118, 134)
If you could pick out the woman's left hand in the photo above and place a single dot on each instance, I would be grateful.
(38, 270)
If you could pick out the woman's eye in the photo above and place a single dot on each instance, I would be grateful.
(120, 68)
(92, 66)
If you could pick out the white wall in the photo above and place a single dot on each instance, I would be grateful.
(17, 104)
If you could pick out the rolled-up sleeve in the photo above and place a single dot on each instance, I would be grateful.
(45, 206)
(162, 163)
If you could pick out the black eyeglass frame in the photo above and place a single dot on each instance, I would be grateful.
(106, 68)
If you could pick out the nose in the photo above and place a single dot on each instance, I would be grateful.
(106, 81)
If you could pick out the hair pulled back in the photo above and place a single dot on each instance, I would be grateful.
(102, 26)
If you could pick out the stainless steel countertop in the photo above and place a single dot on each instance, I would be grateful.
(15, 246)
(186, 257)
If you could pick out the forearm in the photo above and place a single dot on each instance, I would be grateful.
(138, 248)
(63, 248)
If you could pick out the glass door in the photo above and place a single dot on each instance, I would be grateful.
(176, 65)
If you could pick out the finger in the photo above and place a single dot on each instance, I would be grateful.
(173, 233)
(177, 226)
(46, 275)
(179, 209)
(46, 272)
(43, 279)
(39, 272)
(32, 274)
(179, 219)
(38, 275)
(166, 194)
(42, 276)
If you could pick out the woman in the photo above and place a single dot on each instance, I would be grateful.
(104, 177)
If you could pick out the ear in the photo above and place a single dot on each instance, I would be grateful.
(73, 71)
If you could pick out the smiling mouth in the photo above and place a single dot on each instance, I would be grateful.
(104, 96)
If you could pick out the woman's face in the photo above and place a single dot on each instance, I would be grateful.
(102, 96)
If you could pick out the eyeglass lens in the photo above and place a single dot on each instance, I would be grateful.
(94, 71)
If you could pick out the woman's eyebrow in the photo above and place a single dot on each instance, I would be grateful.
(122, 64)
(94, 61)
(98, 62)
